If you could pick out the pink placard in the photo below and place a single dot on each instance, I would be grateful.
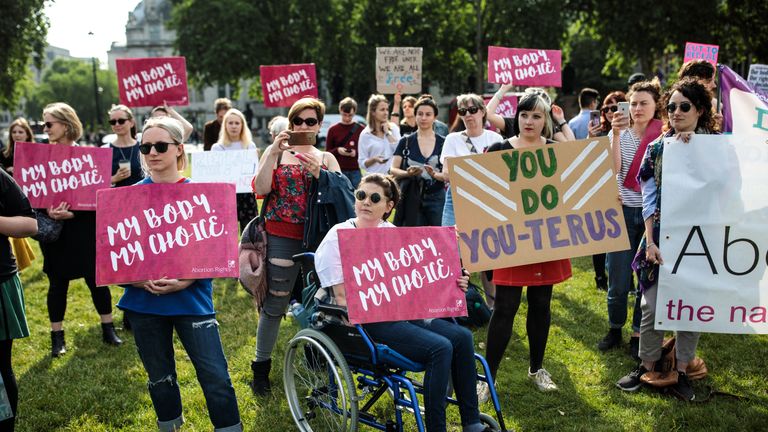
(178, 231)
(524, 67)
(507, 107)
(148, 82)
(283, 85)
(50, 174)
(393, 274)
(697, 51)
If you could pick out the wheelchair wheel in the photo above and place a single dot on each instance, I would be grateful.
(319, 385)
(489, 421)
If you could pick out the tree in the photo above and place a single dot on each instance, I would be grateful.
(23, 29)
(71, 81)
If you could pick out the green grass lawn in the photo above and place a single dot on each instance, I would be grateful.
(95, 387)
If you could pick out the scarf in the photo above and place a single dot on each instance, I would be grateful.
(651, 133)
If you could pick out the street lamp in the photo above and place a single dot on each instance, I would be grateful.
(97, 119)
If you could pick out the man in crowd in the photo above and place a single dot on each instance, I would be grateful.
(213, 127)
(342, 140)
(588, 100)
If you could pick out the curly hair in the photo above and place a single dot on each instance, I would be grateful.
(386, 182)
(652, 87)
(699, 96)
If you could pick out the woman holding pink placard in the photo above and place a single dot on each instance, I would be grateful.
(73, 254)
(156, 307)
(560, 131)
(444, 347)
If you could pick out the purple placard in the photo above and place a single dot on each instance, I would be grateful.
(178, 231)
(524, 67)
(393, 274)
(50, 174)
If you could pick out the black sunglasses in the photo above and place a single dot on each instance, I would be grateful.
(471, 110)
(118, 121)
(361, 196)
(684, 107)
(50, 124)
(612, 108)
(160, 147)
(298, 121)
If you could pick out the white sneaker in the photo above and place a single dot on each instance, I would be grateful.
(483, 392)
(543, 380)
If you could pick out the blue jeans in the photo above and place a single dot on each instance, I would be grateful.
(354, 177)
(200, 336)
(619, 265)
(448, 217)
(432, 209)
(446, 349)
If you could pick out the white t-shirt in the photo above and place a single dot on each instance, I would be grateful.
(328, 256)
(369, 145)
(237, 145)
(456, 144)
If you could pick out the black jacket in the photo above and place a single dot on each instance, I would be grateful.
(331, 201)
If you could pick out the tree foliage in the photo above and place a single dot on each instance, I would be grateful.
(71, 81)
(23, 28)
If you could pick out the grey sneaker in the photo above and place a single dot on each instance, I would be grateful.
(543, 380)
(631, 381)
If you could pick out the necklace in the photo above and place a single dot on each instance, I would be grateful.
(120, 149)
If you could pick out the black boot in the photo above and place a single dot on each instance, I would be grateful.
(108, 334)
(602, 283)
(611, 340)
(260, 384)
(58, 347)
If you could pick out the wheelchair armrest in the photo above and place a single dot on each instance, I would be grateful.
(333, 310)
(306, 257)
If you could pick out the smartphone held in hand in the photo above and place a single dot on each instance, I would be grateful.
(302, 138)
(624, 109)
(594, 118)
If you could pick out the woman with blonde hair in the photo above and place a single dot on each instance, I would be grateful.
(18, 131)
(285, 175)
(73, 254)
(234, 135)
(379, 139)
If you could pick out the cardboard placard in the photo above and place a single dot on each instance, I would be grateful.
(149, 82)
(393, 274)
(178, 231)
(538, 204)
(697, 51)
(283, 85)
(714, 235)
(50, 174)
(398, 69)
(758, 76)
(524, 67)
(231, 166)
(507, 107)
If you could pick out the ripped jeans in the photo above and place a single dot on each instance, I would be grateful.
(200, 336)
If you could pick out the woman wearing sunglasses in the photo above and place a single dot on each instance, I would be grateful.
(285, 174)
(610, 106)
(560, 130)
(689, 112)
(156, 307)
(73, 255)
(416, 164)
(628, 143)
(126, 164)
(235, 136)
(534, 122)
(445, 348)
(379, 139)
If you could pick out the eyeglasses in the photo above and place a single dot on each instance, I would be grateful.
(471, 110)
(612, 108)
(298, 121)
(160, 147)
(361, 196)
(50, 124)
(118, 121)
(684, 107)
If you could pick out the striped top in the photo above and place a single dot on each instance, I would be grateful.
(629, 143)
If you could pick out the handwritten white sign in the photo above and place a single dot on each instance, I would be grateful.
(233, 166)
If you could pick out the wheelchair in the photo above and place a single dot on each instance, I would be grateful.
(335, 373)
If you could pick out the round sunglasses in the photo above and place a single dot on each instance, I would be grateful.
(612, 108)
(471, 110)
(360, 195)
(118, 121)
(684, 107)
(160, 147)
(298, 121)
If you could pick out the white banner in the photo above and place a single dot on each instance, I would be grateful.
(231, 166)
(714, 235)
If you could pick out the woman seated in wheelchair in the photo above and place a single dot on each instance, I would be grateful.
(445, 348)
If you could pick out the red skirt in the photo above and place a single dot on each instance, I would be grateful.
(545, 273)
